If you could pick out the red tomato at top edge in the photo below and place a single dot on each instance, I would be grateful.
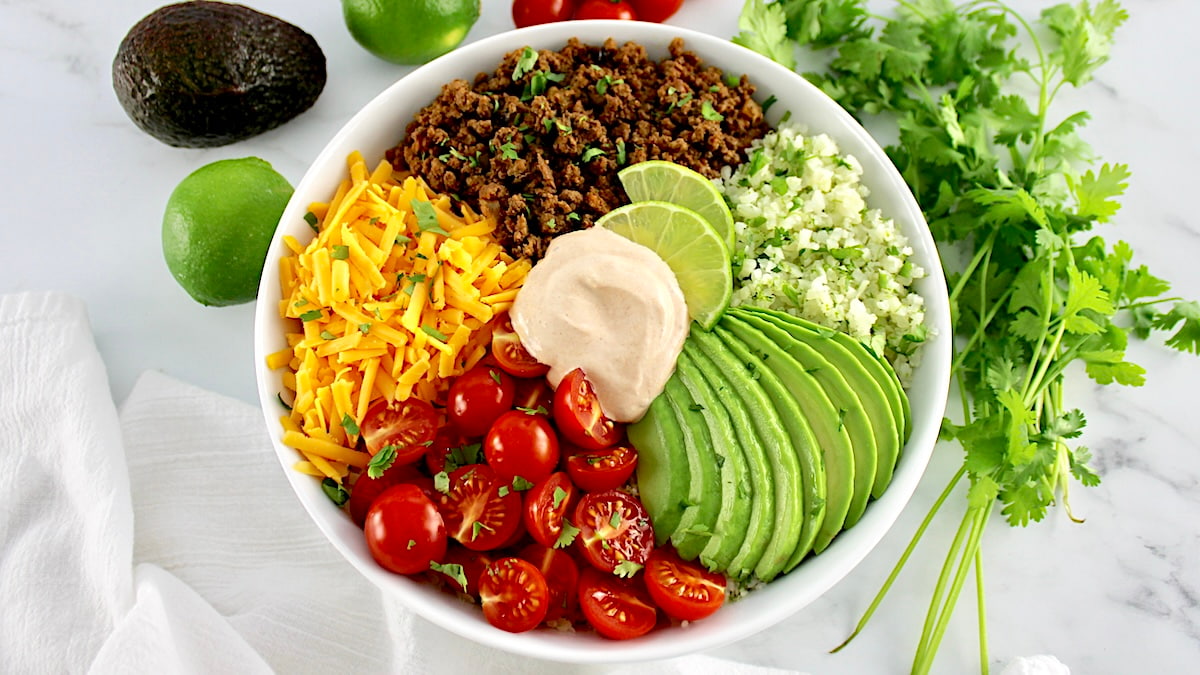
(599, 470)
(521, 444)
(578, 416)
(509, 353)
(613, 528)
(546, 505)
(617, 608)
(478, 513)
(477, 398)
(655, 10)
(514, 595)
(404, 530)
(407, 426)
(605, 9)
(685, 590)
(534, 12)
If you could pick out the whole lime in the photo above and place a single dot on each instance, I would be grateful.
(409, 31)
(218, 226)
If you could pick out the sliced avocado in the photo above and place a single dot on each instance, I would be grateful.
(703, 503)
(205, 74)
(826, 341)
(737, 492)
(770, 341)
(776, 464)
(662, 469)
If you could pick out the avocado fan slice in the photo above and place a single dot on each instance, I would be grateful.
(773, 342)
(778, 466)
(662, 468)
(703, 502)
(737, 492)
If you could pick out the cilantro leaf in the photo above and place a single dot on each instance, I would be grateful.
(763, 28)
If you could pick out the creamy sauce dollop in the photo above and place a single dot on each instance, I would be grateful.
(612, 307)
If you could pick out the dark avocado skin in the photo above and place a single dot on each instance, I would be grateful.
(206, 74)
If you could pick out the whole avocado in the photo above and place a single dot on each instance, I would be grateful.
(205, 74)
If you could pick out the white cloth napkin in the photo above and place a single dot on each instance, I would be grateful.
(165, 538)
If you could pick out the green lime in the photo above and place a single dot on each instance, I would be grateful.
(690, 247)
(663, 181)
(218, 226)
(409, 31)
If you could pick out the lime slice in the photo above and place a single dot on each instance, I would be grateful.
(658, 180)
(690, 247)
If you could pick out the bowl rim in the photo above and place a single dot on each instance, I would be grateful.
(818, 573)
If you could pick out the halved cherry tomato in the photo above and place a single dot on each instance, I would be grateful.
(617, 608)
(473, 563)
(407, 426)
(534, 12)
(479, 514)
(605, 9)
(477, 398)
(533, 393)
(685, 590)
(510, 354)
(514, 595)
(599, 470)
(521, 444)
(578, 415)
(561, 574)
(366, 489)
(546, 504)
(404, 530)
(655, 10)
(613, 528)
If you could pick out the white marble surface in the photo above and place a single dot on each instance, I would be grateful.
(84, 191)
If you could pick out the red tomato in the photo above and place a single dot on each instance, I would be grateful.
(546, 504)
(613, 528)
(478, 513)
(407, 426)
(533, 393)
(684, 590)
(617, 608)
(477, 398)
(599, 470)
(366, 489)
(514, 595)
(533, 12)
(561, 574)
(578, 415)
(521, 444)
(605, 9)
(510, 354)
(450, 448)
(473, 563)
(655, 10)
(404, 530)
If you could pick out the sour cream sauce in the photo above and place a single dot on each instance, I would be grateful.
(612, 307)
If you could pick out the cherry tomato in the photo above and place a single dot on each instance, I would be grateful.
(509, 353)
(478, 513)
(406, 426)
(533, 12)
(521, 444)
(578, 415)
(562, 577)
(605, 9)
(683, 589)
(514, 595)
(473, 563)
(617, 608)
(533, 393)
(404, 530)
(613, 528)
(599, 470)
(546, 504)
(477, 398)
(655, 10)
(450, 448)
(366, 489)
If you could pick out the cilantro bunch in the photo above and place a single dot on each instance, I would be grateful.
(1011, 196)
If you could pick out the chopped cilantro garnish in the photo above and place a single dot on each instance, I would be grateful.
(311, 219)
(427, 220)
(569, 532)
(382, 461)
(311, 315)
(627, 569)
(525, 63)
(340, 252)
(452, 570)
(709, 113)
(334, 490)
(326, 335)
(434, 333)
(591, 153)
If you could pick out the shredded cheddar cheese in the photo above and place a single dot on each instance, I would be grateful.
(392, 297)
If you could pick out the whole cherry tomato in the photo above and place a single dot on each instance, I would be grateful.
(655, 10)
(404, 530)
(477, 398)
(533, 12)
(605, 9)
(521, 444)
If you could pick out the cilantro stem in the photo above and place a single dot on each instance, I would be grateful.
(981, 612)
(974, 522)
(932, 615)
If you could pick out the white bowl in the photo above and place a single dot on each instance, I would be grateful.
(381, 123)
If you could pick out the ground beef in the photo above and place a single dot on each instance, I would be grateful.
(540, 151)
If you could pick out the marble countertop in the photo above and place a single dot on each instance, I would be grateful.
(1119, 593)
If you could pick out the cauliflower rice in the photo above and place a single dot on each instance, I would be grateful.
(807, 244)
